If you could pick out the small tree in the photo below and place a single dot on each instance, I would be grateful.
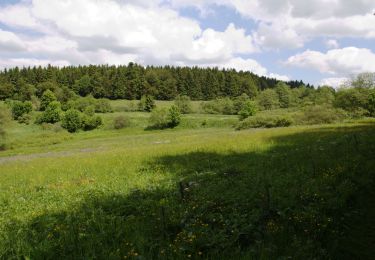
(46, 99)
(183, 103)
(268, 99)
(91, 122)
(71, 120)
(174, 116)
(52, 114)
(284, 93)
(20, 108)
(240, 101)
(248, 109)
(146, 103)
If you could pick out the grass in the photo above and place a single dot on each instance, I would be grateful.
(197, 191)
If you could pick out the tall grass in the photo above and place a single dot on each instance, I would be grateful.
(183, 193)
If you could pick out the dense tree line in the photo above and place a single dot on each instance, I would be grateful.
(132, 82)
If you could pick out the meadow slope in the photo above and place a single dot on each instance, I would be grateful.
(300, 192)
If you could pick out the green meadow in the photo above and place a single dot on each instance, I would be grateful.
(202, 190)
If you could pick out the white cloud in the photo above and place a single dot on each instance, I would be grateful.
(332, 44)
(290, 23)
(24, 62)
(147, 31)
(10, 42)
(247, 65)
(334, 82)
(345, 61)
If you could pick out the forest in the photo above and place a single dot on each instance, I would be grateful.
(133, 81)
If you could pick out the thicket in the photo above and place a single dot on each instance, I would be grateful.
(73, 120)
(162, 118)
(20, 109)
(265, 121)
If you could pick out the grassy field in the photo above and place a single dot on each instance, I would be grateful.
(202, 190)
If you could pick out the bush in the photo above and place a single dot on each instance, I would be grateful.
(174, 116)
(183, 103)
(103, 106)
(265, 122)
(240, 101)
(268, 99)
(81, 104)
(71, 120)
(321, 115)
(120, 122)
(52, 114)
(222, 106)
(158, 118)
(46, 99)
(353, 98)
(91, 122)
(146, 103)
(20, 108)
(90, 111)
(248, 109)
(25, 119)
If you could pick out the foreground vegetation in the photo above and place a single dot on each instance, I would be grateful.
(300, 192)
(85, 177)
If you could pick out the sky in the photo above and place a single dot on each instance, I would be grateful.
(317, 41)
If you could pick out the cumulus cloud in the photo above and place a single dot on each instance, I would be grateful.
(332, 44)
(10, 42)
(345, 61)
(117, 31)
(247, 65)
(291, 23)
(334, 82)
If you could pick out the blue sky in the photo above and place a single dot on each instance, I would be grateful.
(319, 41)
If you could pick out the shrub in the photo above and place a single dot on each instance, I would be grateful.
(81, 104)
(265, 122)
(158, 118)
(103, 106)
(52, 114)
(321, 115)
(240, 101)
(71, 120)
(268, 99)
(183, 103)
(46, 99)
(353, 98)
(90, 111)
(174, 116)
(120, 122)
(223, 106)
(146, 103)
(247, 110)
(25, 119)
(91, 122)
(20, 108)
